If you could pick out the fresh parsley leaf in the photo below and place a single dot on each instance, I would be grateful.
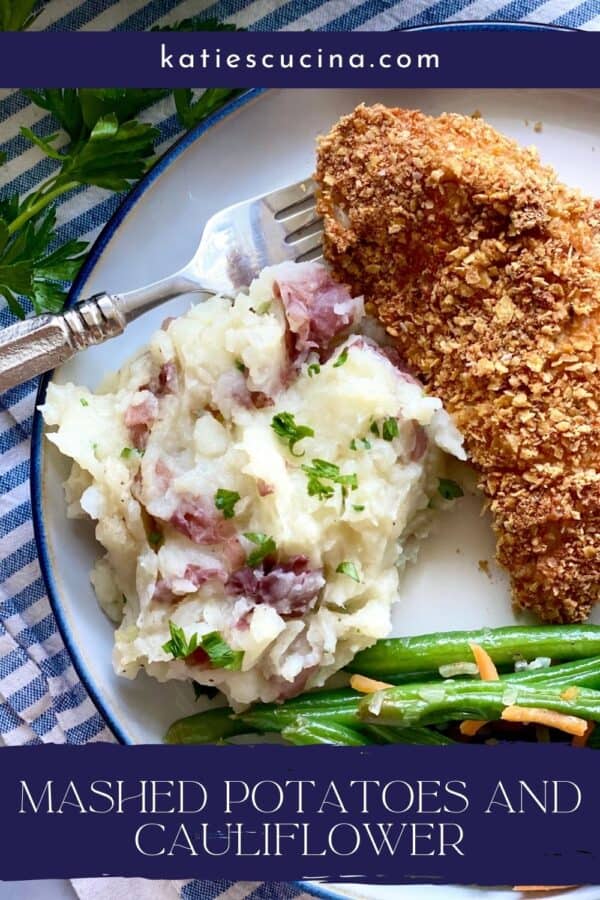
(390, 429)
(113, 157)
(83, 401)
(191, 111)
(16, 15)
(125, 103)
(359, 507)
(225, 501)
(374, 429)
(341, 358)
(313, 369)
(220, 653)
(349, 568)
(127, 452)
(26, 267)
(265, 546)
(321, 471)
(240, 366)
(106, 147)
(178, 646)
(449, 489)
(285, 427)
(364, 442)
(65, 106)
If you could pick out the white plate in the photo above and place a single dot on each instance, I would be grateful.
(266, 142)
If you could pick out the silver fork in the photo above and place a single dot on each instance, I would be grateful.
(236, 244)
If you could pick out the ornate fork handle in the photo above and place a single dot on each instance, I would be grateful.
(41, 343)
(38, 344)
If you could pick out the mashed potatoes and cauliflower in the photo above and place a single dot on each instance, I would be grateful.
(258, 474)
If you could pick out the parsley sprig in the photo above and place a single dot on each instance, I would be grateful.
(220, 654)
(265, 546)
(324, 475)
(285, 427)
(225, 501)
(98, 141)
(179, 646)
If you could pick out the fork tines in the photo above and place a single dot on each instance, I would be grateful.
(294, 208)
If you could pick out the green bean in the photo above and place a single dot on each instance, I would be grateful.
(580, 672)
(208, 727)
(303, 731)
(340, 706)
(275, 716)
(386, 734)
(505, 645)
(428, 704)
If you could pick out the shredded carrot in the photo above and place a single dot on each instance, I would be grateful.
(537, 716)
(570, 693)
(470, 727)
(367, 685)
(543, 887)
(581, 740)
(487, 672)
(485, 663)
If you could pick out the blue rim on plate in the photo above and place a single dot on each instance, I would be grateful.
(94, 255)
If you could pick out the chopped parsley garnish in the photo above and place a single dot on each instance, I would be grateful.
(127, 452)
(358, 507)
(348, 568)
(390, 430)
(265, 546)
(220, 653)
(313, 369)
(341, 358)
(320, 472)
(374, 429)
(154, 539)
(449, 489)
(365, 443)
(225, 501)
(178, 646)
(83, 401)
(284, 425)
(240, 366)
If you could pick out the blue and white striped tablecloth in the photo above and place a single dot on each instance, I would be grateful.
(41, 697)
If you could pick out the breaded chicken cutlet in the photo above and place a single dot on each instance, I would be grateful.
(485, 270)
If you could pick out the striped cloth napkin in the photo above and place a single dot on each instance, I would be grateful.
(41, 697)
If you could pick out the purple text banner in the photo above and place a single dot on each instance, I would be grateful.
(480, 58)
(509, 814)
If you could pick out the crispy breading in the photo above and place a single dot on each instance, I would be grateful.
(485, 269)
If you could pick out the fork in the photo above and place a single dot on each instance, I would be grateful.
(236, 244)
